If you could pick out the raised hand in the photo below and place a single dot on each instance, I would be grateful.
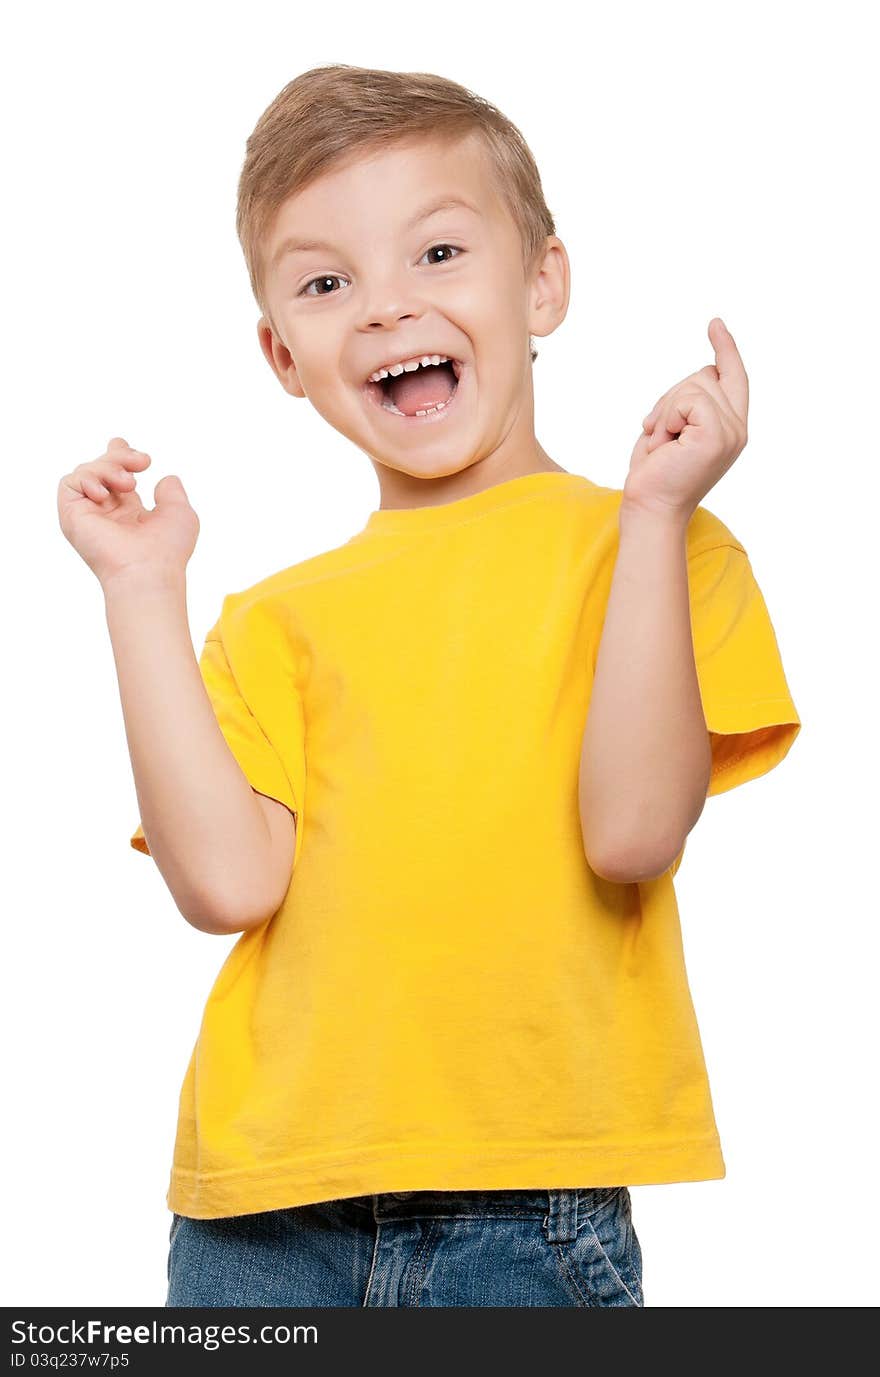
(102, 516)
(692, 435)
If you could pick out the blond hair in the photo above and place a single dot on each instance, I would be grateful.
(327, 114)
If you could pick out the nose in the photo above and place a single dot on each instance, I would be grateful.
(386, 305)
(378, 319)
(390, 294)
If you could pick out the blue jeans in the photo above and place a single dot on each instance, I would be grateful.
(413, 1248)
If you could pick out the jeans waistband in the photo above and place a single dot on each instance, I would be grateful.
(559, 1209)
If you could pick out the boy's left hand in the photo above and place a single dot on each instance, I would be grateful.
(693, 434)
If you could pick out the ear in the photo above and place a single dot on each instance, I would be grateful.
(279, 358)
(549, 288)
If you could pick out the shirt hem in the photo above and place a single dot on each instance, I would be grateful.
(445, 1167)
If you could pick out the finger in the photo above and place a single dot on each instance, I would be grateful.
(674, 418)
(709, 377)
(92, 487)
(702, 384)
(126, 459)
(665, 406)
(663, 403)
(121, 450)
(116, 480)
(112, 471)
(664, 431)
(731, 372)
(108, 475)
(651, 419)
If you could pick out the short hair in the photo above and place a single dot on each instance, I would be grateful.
(327, 114)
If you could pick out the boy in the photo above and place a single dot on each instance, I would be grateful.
(439, 778)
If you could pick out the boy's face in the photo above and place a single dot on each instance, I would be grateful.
(378, 291)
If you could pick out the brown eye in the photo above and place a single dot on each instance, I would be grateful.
(322, 281)
(449, 250)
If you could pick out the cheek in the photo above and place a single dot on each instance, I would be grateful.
(322, 375)
(491, 309)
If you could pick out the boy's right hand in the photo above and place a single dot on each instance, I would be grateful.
(105, 521)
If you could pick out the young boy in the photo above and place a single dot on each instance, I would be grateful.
(439, 778)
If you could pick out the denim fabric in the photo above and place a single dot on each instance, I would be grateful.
(415, 1248)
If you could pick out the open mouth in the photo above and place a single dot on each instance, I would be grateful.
(422, 395)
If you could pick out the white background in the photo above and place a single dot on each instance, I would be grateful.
(699, 160)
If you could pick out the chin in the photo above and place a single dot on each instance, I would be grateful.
(429, 469)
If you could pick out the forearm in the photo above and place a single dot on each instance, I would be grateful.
(645, 758)
(204, 825)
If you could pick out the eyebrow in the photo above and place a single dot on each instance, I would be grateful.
(291, 246)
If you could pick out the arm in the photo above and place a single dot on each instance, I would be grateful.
(220, 849)
(646, 756)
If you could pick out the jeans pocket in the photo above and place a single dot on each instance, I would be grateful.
(602, 1264)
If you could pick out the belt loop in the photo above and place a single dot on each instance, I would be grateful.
(560, 1225)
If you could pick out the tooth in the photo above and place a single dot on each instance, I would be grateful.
(409, 366)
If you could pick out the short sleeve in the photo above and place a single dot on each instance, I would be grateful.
(748, 708)
(258, 713)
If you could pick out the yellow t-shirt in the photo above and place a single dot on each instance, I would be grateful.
(449, 998)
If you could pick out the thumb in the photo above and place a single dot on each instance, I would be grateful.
(169, 489)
